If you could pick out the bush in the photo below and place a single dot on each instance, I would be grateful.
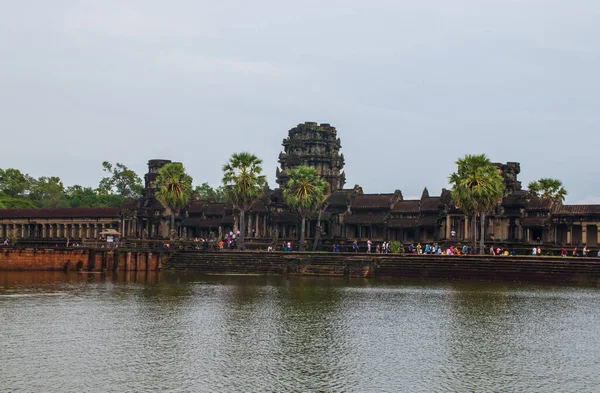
(395, 247)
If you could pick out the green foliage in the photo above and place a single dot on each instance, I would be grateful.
(174, 188)
(243, 184)
(242, 180)
(7, 202)
(13, 183)
(548, 188)
(395, 247)
(122, 181)
(305, 189)
(78, 196)
(206, 192)
(477, 187)
(48, 192)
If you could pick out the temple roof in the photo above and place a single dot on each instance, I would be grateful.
(431, 204)
(536, 203)
(373, 201)
(410, 206)
(576, 210)
(197, 206)
(214, 209)
(340, 197)
(69, 212)
(365, 218)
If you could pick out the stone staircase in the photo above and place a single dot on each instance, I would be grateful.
(258, 262)
(483, 268)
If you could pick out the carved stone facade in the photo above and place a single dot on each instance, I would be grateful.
(347, 215)
(313, 145)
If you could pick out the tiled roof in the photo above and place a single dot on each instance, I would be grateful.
(431, 204)
(372, 201)
(410, 206)
(403, 223)
(539, 204)
(340, 197)
(196, 206)
(576, 210)
(365, 218)
(73, 212)
(214, 209)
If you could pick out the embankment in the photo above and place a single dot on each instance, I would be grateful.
(54, 259)
(565, 271)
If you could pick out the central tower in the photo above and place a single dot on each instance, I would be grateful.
(315, 145)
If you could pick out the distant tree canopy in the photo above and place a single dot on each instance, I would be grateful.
(18, 190)
(548, 188)
(206, 192)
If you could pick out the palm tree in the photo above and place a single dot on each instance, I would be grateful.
(174, 188)
(243, 184)
(304, 191)
(548, 188)
(477, 188)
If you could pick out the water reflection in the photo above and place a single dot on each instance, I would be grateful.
(184, 332)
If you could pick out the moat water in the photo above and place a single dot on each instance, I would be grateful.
(190, 333)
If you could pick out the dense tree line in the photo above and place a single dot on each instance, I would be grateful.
(19, 190)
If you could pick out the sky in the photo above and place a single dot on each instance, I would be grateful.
(411, 86)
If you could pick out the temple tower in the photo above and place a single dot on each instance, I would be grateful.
(317, 146)
(150, 187)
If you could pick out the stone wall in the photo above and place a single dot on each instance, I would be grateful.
(55, 259)
(566, 271)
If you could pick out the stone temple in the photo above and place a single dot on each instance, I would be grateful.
(348, 214)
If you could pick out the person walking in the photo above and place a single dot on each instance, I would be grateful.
(369, 244)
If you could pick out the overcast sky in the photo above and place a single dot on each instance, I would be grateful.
(411, 86)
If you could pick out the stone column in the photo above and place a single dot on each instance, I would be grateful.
(23, 231)
(569, 234)
(2, 235)
(448, 225)
(584, 233)
(257, 226)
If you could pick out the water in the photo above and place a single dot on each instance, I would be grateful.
(190, 333)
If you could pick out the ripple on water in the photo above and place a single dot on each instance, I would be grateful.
(230, 334)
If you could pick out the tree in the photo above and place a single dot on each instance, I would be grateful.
(243, 184)
(206, 192)
(48, 192)
(477, 187)
(13, 183)
(548, 188)
(122, 181)
(7, 202)
(304, 191)
(78, 196)
(174, 188)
